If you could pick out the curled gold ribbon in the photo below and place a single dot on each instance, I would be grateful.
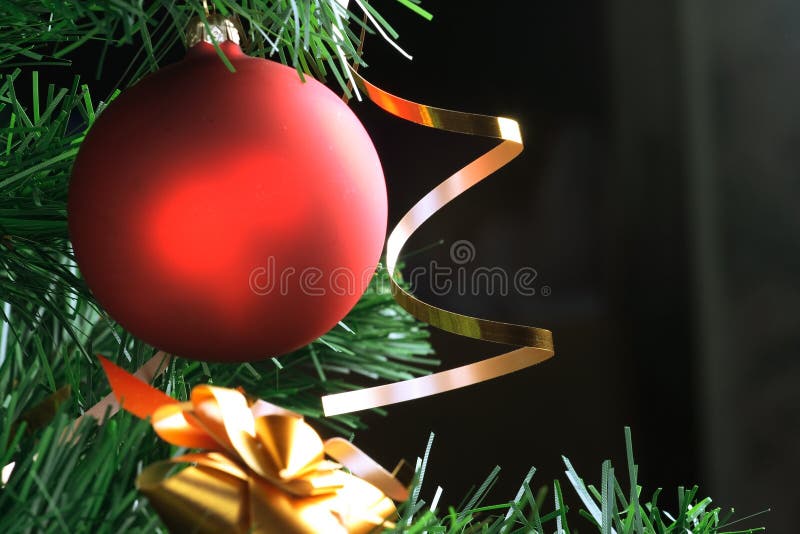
(536, 343)
(262, 468)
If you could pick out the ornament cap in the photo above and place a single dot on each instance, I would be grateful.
(219, 29)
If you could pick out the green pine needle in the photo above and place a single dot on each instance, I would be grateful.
(300, 34)
(608, 511)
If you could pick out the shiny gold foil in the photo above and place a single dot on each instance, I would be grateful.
(536, 343)
(262, 469)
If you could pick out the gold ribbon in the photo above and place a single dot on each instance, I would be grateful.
(537, 343)
(263, 469)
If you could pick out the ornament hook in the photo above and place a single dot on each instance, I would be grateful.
(216, 28)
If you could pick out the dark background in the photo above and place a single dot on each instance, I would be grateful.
(656, 199)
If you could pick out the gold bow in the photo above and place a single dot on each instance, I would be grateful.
(263, 469)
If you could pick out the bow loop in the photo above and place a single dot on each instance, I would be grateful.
(262, 469)
(293, 447)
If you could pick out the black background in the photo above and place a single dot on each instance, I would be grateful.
(656, 201)
(656, 198)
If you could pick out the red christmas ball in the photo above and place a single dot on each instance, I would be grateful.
(227, 216)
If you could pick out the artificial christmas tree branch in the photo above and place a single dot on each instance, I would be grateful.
(39, 280)
(312, 36)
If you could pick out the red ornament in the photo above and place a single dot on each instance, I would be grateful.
(227, 216)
